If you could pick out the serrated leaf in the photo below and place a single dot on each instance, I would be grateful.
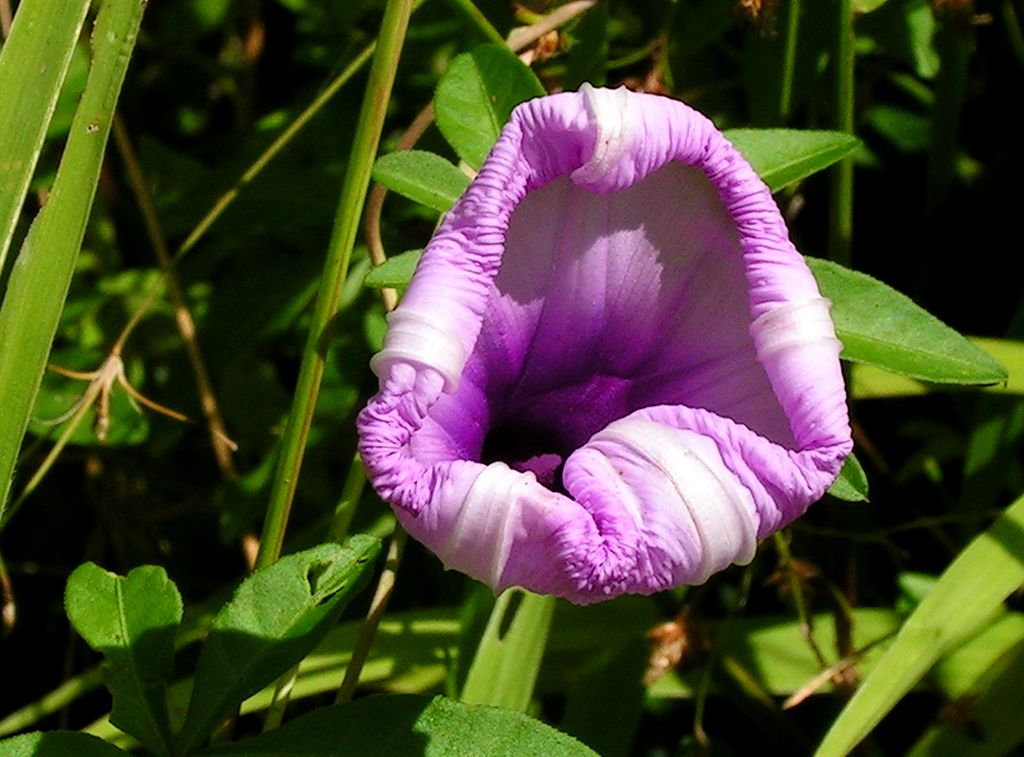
(879, 326)
(965, 597)
(132, 622)
(852, 483)
(785, 156)
(423, 177)
(476, 95)
(396, 271)
(57, 744)
(277, 616)
(398, 725)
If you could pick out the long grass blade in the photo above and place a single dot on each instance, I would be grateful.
(33, 62)
(42, 272)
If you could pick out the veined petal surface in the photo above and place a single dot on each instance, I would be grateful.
(612, 372)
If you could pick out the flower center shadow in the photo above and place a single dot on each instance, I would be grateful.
(527, 449)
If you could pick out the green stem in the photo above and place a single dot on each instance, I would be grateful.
(841, 200)
(469, 10)
(508, 657)
(954, 48)
(797, 593)
(789, 61)
(350, 208)
(355, 482)
(368, 631)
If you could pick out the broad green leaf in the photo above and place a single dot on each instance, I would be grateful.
(785, 156)
(508, 657)
(871, 382)
(42, 272)
(33, 62)
(132, 622)
(57, 744)
(879, 326)
(967, 595)
(987, 717)
(423, 177)
(391, 725)
(852, 484)
(396, 271)
(476, 95)
(277, 616)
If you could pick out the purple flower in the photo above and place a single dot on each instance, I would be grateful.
(612, 372)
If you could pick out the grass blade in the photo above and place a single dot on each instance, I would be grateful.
(42, 272)
(33, 62)
(508, 657)
(971, 590)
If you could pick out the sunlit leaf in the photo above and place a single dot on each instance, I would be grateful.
(41, 274)
(397, 725)
(57, 744)
(507, 659)
(852, 484)
(33, 63)
(277, 616)
(476, 95)
(423, 177)
(880, 326)
(132, 622)
(966, 596)
(396, 271)
(785, 156)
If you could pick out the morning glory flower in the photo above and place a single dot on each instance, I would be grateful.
(612, 372)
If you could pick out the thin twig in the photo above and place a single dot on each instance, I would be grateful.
(182, 315)
(833, 672)
(797, 593)
(368, 631)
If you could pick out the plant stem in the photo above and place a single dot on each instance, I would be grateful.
(789, 61)
(339, 253)
(841, 199)
(469, 10)
(368, 631)
(222, 448)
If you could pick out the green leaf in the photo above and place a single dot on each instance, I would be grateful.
(507, 659)
(42, 272)
(405, 725)
(33, 63)
(57, 744)
(476, 95)
(277, 616)
(132, 622)
(965, 597)
(879, 326)
(423, 177)
(785, 156)
(988, 708)
(396, 271)
(604, 706)
(852, 484)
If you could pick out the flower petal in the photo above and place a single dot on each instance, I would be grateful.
(614, 298)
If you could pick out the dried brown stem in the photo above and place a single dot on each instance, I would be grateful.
(182, 315)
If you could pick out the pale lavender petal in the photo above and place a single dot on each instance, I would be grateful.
(612, 372)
